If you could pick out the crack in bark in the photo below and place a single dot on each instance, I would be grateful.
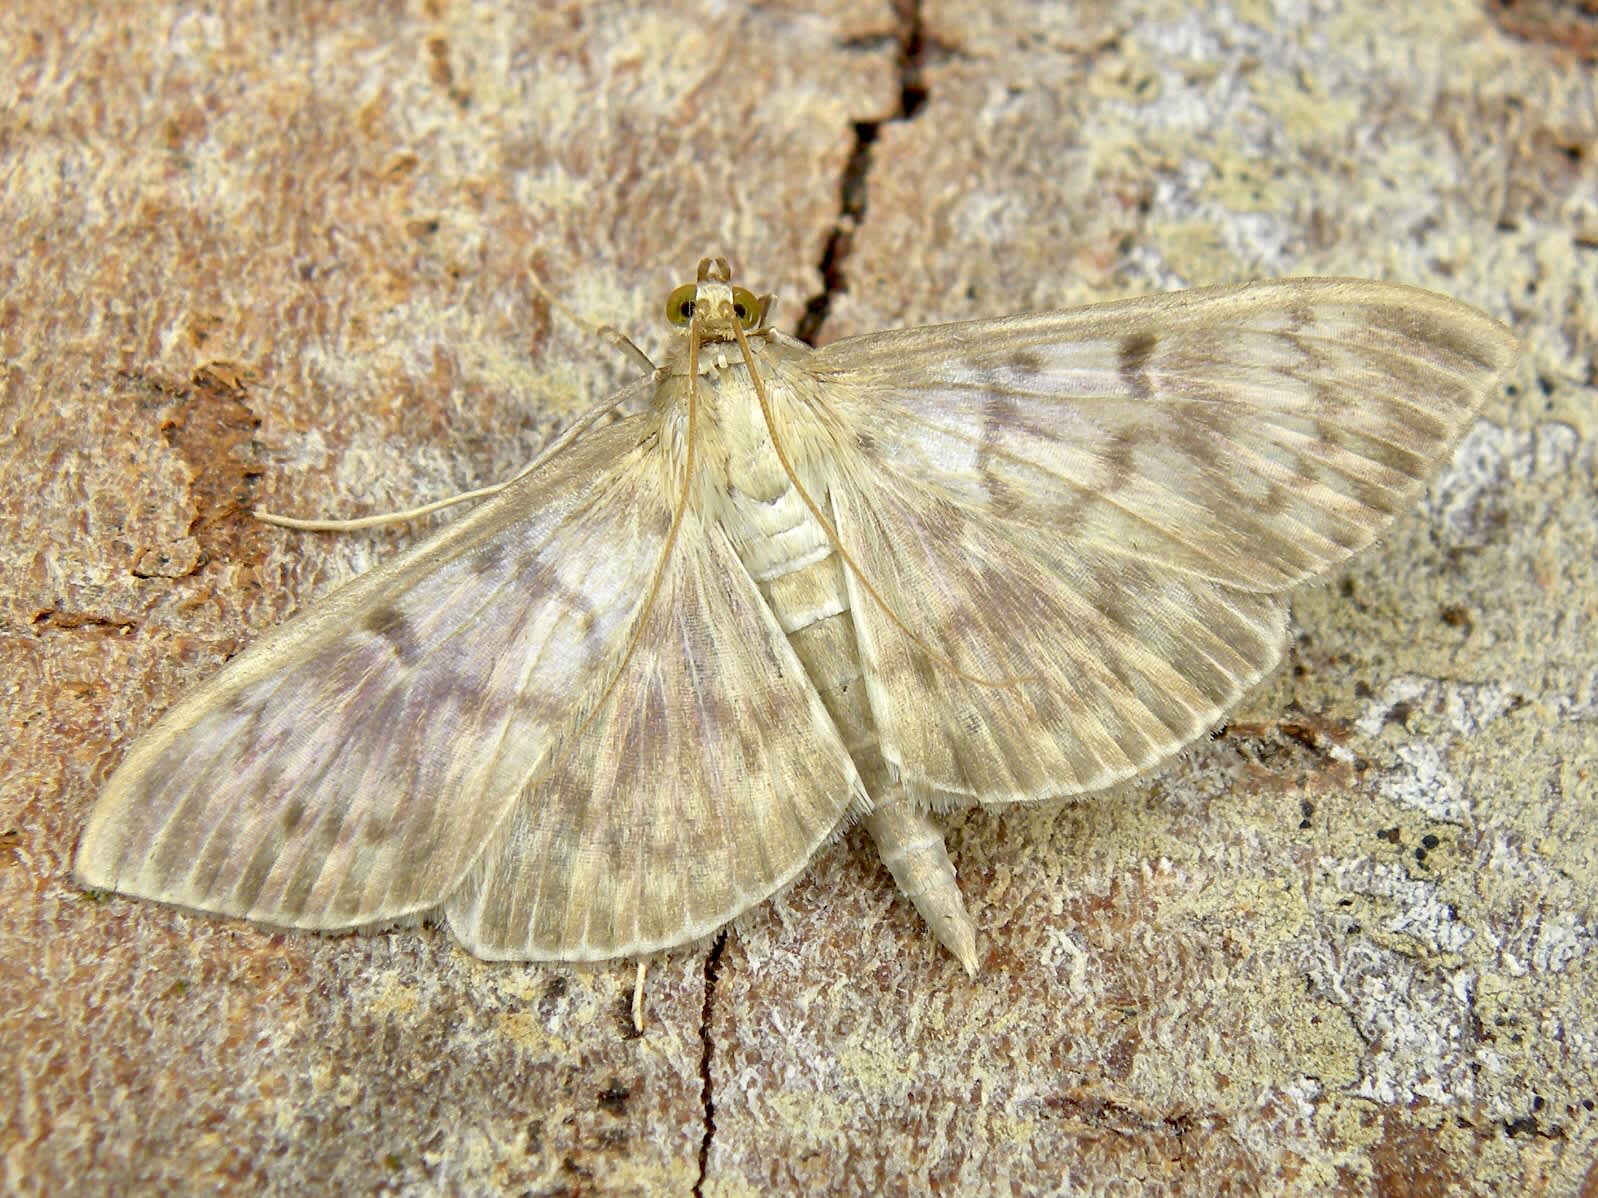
(56, 620)
(707, 1094)
(910, 59)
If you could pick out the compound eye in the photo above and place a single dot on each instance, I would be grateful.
(680, 304)
(745, 307)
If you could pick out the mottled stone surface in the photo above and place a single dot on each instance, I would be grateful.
(278, 255)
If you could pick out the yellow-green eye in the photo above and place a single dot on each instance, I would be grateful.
(680, 304)
(745, 307)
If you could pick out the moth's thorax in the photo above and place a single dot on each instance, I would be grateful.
(739, 479)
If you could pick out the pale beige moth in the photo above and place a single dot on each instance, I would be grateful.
(630, 695)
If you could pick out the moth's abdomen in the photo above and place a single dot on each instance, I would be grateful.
(808, 597)
(910, 843)
(810, 600)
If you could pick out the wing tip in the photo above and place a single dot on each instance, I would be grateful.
(97, 862)
(1469, 328)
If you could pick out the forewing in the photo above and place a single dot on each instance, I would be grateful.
(349, 766)
(703, 783)
(1072, 528)
(1251, 435)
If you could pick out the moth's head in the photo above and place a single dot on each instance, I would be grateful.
(712, 306)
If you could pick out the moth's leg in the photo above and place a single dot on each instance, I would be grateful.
(604, 332)
(583, 423)
(575, 430)
(910, 843)
(382, 518)
(638, 994)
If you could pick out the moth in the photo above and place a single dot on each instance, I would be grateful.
(630, 695)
